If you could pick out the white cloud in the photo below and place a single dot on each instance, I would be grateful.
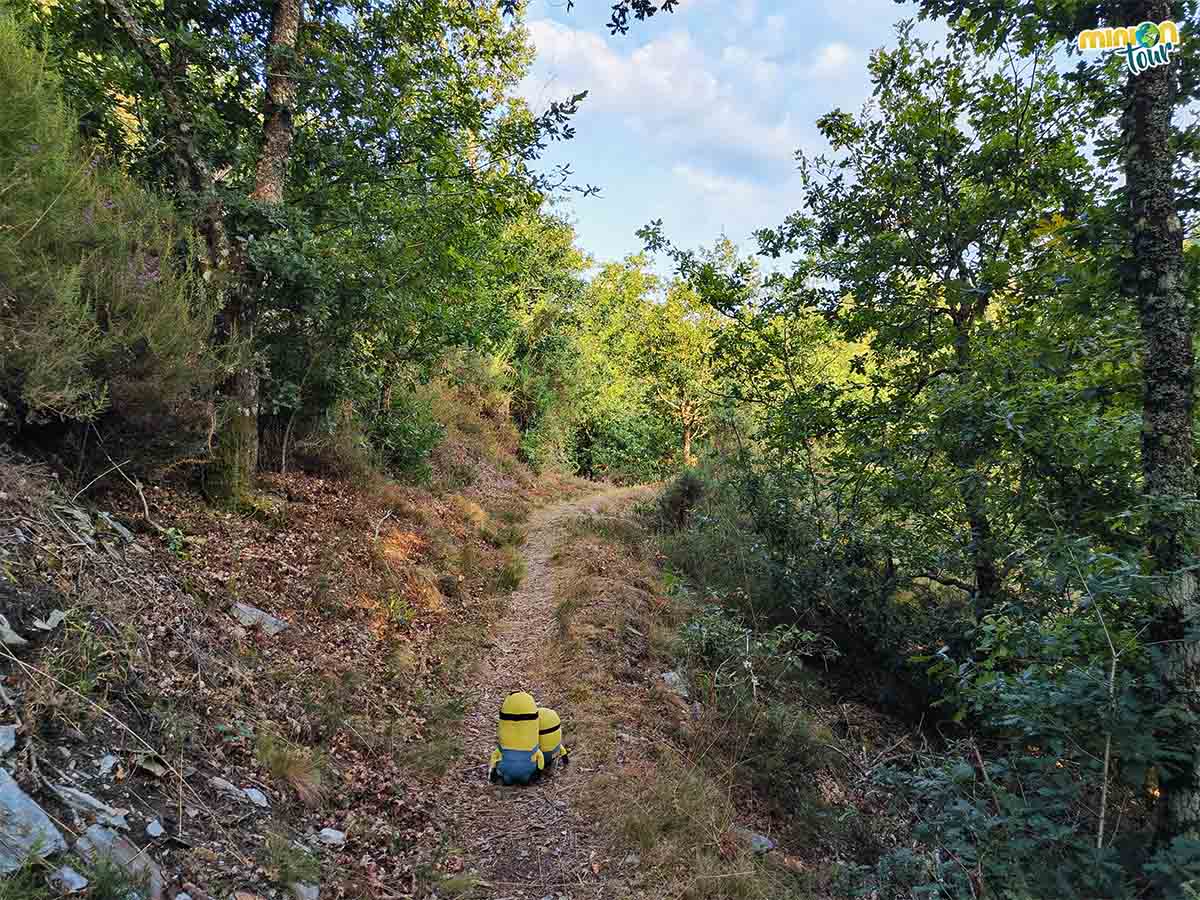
(734, 206)
(715, 185)
(833, 61)
(760, 70)
(668, 90)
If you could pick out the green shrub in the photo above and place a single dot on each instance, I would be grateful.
(680, 499)
(622, 444)
(100, 303)
(736, 658)
(403, 435)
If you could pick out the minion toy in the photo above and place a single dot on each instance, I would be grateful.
(550, 737)
(517, 758)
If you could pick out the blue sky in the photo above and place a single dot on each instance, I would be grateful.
(695, 117)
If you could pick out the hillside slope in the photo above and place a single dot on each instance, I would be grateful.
(234, 683)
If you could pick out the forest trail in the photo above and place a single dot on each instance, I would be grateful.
(530, 842)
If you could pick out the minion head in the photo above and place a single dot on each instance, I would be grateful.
(549, 729)
(518, 728)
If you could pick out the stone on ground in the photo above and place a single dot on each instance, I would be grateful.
(25, 829)
(99, 842)
(251, 615)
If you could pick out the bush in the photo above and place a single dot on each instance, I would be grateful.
(403, 435)
(100, 303)
(680, 499)
(624, 445)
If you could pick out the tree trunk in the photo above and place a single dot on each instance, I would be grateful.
(972, 489)
(280, 98)
(688, 459)
(1168, 464)
(232, 473)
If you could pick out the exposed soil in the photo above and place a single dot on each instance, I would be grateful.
(531, 842)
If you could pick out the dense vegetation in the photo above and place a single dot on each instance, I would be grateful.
(952, 443)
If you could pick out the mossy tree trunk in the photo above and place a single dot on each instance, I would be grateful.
(1168, 460)
(235, 462)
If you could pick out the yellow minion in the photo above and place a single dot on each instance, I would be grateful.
(550, 737)
(517, 758)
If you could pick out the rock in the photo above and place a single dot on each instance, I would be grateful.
(632, 860)
(51, 621)
(252, 615)
(305, 891)
(8, 738)
(107, 762)
(697, 711)
(226, 787)
(8, 636)
(759, 843)
(152, 763)
(83, 523)
(183, 895)
(25, 829)
(68, 880)
(155, 829)
(675, 682)
(125, 534)
(255, 796)
(99, 842)
(332, 837)
(89, 805)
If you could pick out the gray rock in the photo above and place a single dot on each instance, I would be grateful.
(255, 796)
(252, 615)
(675, 682)
(89, 805)
(306, 891)
(632, 860)
(332, 837)
(226, 787)
(8, 636)
(107, 763)
(125, 534)
(759, 843)
(155, 829)
(99, 842)
(24, 827)
(8, 738)
(68, 880)
(51, 621)
(183, 895)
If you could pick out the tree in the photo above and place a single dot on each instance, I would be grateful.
(675, 357)
(1158, 158)
(376, 140)
(920, 225)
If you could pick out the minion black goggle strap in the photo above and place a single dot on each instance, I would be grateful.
(551, 730)
(518, 717)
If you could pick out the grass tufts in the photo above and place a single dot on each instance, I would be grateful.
(300, 768)
(512, 571)
(290, 862)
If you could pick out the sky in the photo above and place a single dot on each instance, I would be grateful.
(695, 117)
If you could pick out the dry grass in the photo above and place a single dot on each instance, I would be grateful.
(301, 768)
(565, 610)
(469, 511)
(674, 809)
(512, 570)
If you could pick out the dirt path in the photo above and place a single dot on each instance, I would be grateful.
(529, 842)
